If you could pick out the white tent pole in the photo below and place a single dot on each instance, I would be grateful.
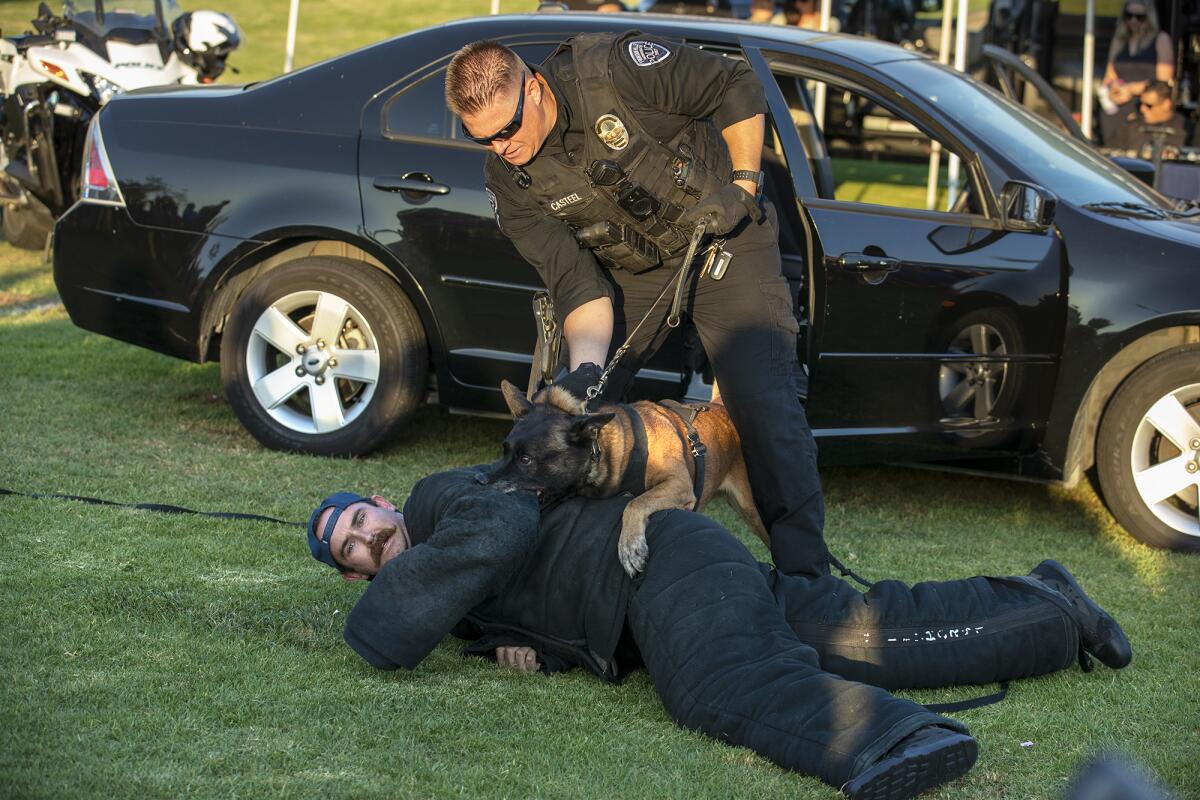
(960, 64)
(819, 100)
(1089, 68)
(289, 57)
(935, 151)
(495, 7)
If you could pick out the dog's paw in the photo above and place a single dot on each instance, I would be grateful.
(633, 553)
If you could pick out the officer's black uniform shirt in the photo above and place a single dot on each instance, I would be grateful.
(688, 84)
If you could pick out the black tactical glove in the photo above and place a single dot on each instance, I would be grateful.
(585, 376)
(725, 208)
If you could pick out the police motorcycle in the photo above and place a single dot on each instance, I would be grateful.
(55, 78)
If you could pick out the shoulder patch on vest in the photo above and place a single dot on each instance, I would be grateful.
(647, 54)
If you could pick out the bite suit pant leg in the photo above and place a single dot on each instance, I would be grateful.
(748, 327)
(726, 663)
(972, 631)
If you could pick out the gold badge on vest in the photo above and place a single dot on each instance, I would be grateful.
(612, 132)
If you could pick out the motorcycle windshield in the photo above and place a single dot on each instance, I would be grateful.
(103, 19)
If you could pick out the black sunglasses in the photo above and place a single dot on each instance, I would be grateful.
(1131, 15)
(509, 130)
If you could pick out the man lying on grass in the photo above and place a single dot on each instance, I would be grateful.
(796, 669)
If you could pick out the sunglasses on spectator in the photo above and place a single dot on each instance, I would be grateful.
(509, 130)
(1131, 15)
(1153, 103)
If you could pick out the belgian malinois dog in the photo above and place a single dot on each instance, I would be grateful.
(558, 448)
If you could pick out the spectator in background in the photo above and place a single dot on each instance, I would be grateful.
(739, 9)
(807, 14)
(765, 12)
(1157, 118)
(1140, 53)
(603, 6)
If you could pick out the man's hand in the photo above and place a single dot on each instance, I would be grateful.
(1120, 93)
(582, 379)
(522, 658)
(724, 208)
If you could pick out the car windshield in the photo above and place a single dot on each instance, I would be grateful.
(103, 17)
(1071, 169)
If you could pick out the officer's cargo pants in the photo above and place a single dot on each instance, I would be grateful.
(784, 664)
(748, 327)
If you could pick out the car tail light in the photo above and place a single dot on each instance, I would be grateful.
(99, 184)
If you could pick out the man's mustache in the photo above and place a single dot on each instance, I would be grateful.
(376, 547)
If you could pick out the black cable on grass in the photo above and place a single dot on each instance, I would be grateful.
(161, 508)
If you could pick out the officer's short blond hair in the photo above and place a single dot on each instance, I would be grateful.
(478, 74)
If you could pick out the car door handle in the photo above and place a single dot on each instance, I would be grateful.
(417, 182)
(861, 262)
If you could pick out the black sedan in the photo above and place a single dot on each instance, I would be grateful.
(326, 235)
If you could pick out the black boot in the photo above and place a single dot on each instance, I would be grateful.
(1098, 631)
(926, 758)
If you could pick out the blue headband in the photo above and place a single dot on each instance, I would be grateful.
(319, 547)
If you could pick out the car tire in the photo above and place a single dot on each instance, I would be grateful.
(324, 356)
(26, 227)
(972, 394)
(1149, 443)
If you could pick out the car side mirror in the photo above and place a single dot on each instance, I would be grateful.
(1026, 207)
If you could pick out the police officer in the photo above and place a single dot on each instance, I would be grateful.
(603, 162)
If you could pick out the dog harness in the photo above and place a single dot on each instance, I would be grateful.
(688, 413)
(634, 480)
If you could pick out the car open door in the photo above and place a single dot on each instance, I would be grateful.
(932, 328)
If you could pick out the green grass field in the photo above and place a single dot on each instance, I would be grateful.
(156, 656)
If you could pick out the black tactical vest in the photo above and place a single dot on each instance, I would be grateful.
(625, 197)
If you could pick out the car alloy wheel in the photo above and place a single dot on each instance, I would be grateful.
(313, 362)
(1148, 452)
(1165, 458)
(324, 355)
(976, 398)
(970, 389)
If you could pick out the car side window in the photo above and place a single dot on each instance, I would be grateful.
(867, 152)
(419, 109)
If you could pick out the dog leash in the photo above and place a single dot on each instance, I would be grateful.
(161, 508)
(672, 318)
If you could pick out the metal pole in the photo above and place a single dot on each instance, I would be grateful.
(935, 152)
(495, 7)
(1089, 68)
(289, 57)
(819, 100)
(960, 64)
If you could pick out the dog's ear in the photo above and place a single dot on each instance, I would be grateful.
(518, 404)
(588, 427)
